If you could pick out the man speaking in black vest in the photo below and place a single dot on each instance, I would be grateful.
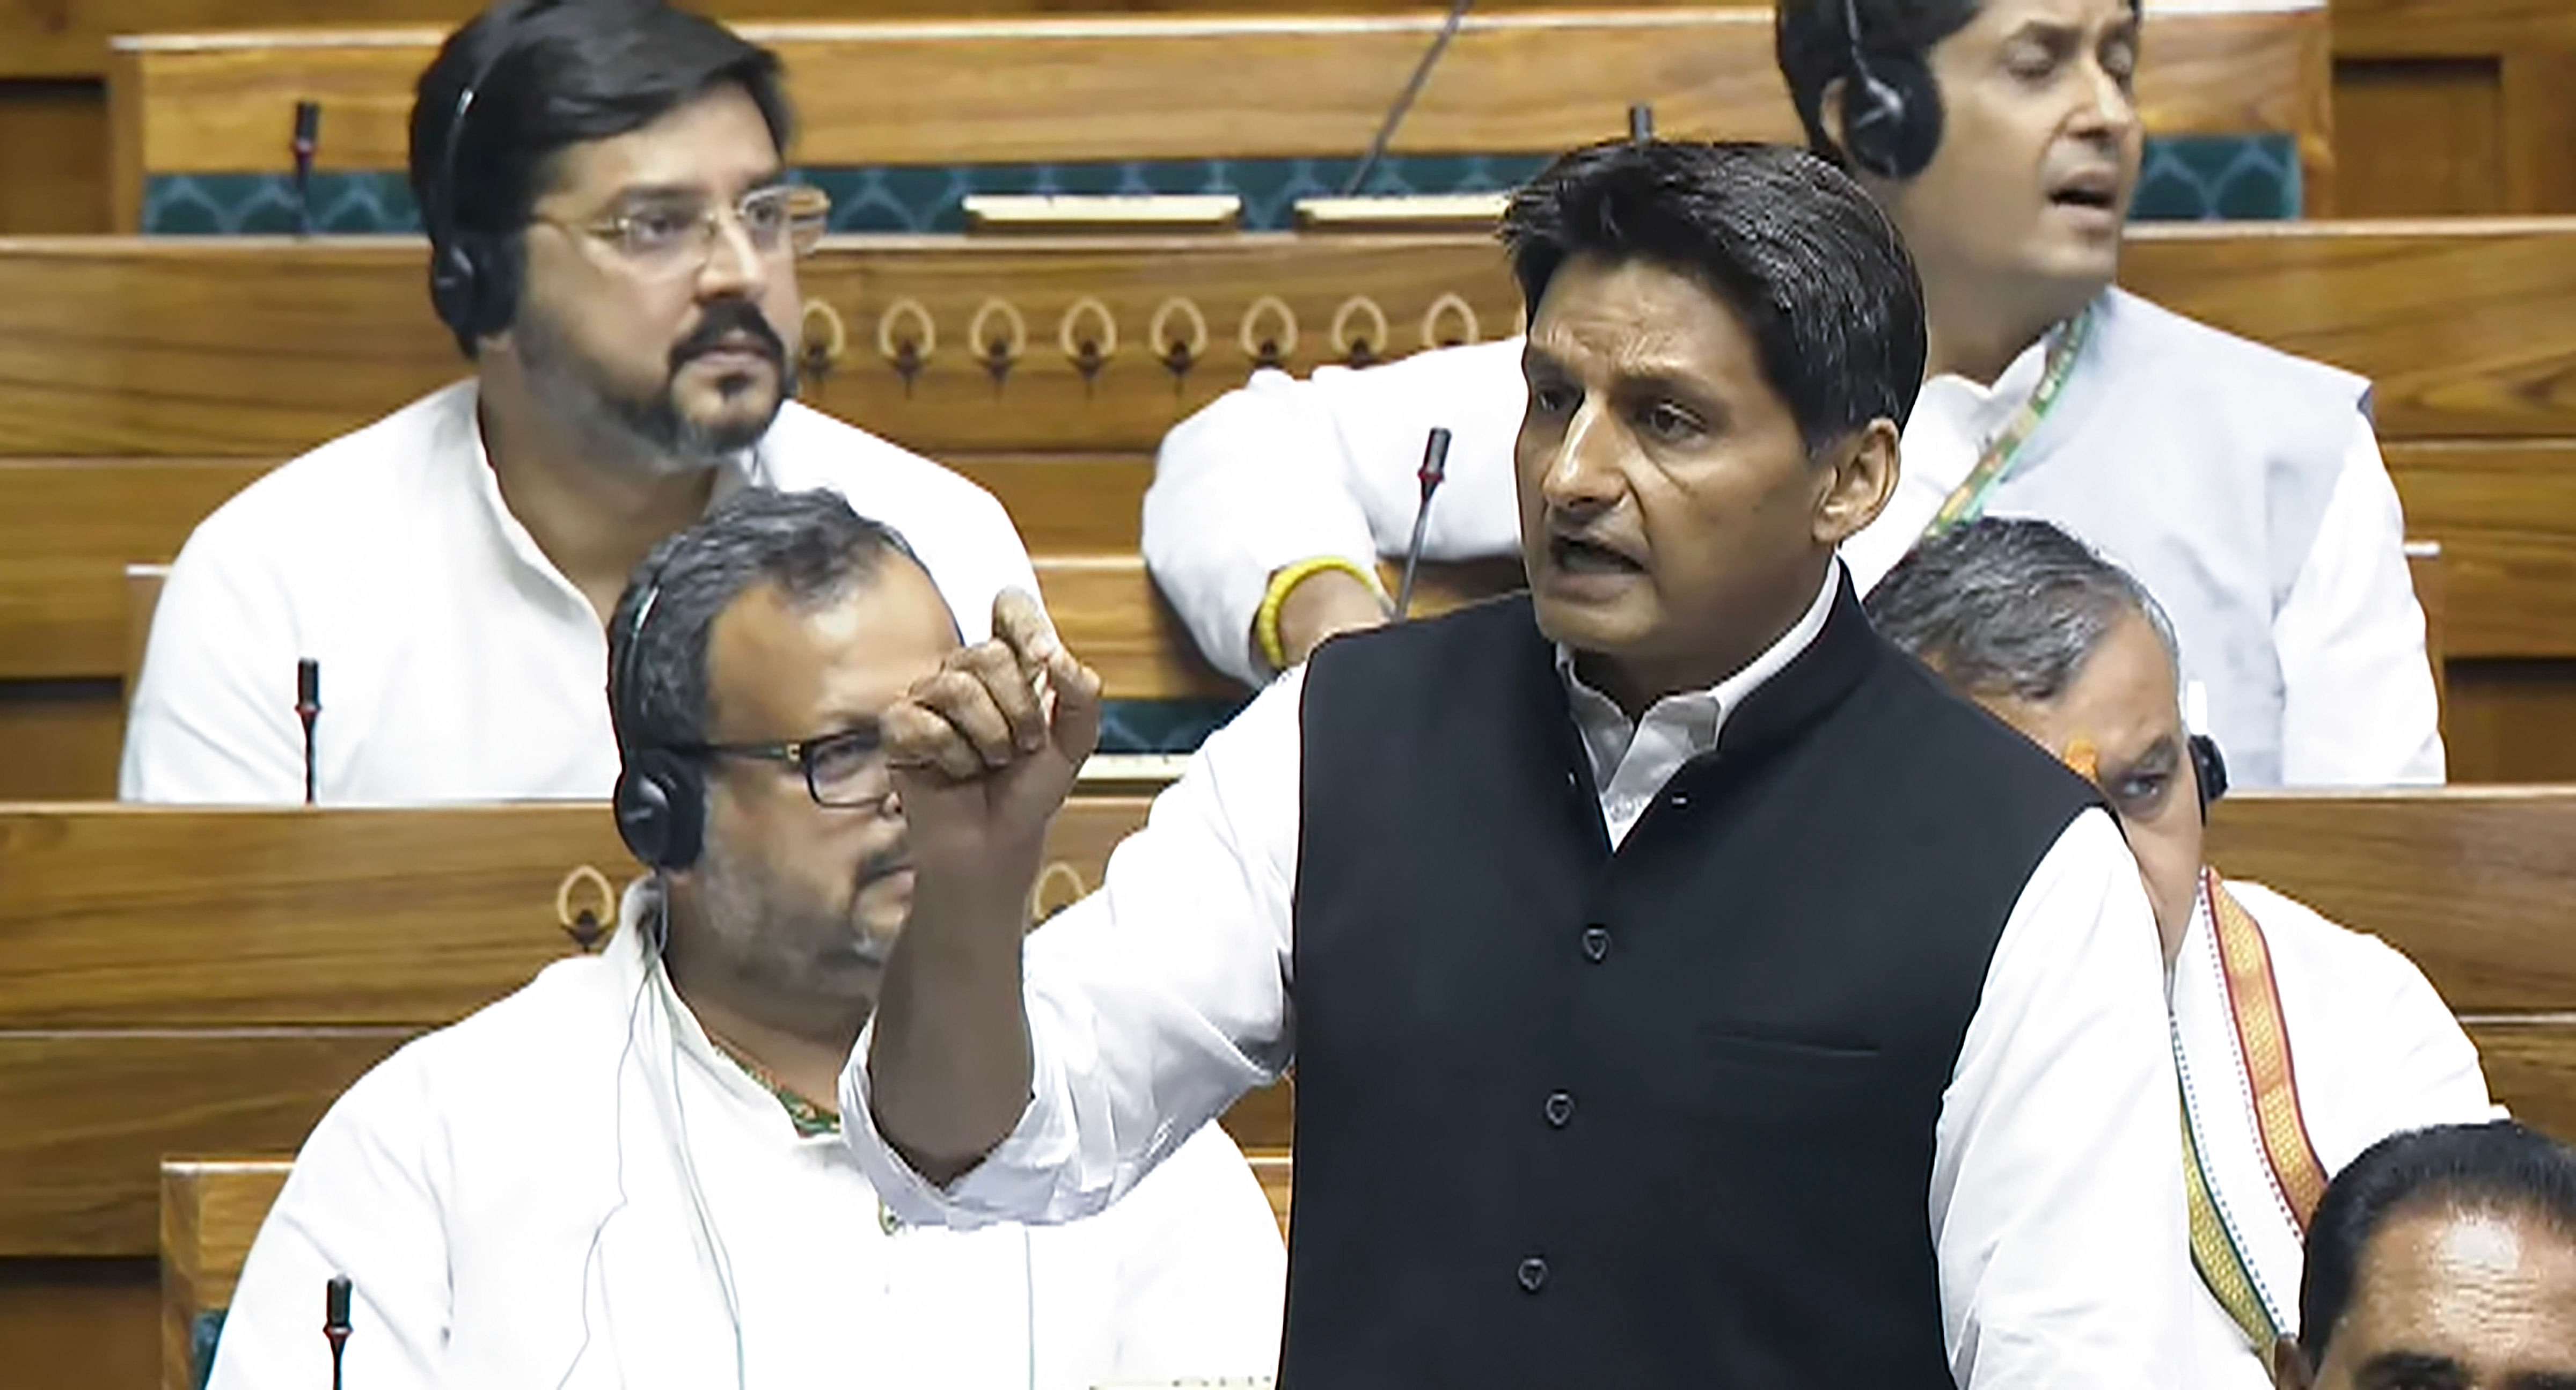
(1683, 989)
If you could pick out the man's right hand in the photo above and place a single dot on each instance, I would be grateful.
(984, 752)
(1326, 603)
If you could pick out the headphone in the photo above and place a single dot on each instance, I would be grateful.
(2208, 772)
(473, 282)
(661, 796)
(1891, 109)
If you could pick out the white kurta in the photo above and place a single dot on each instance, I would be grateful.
(572, 1188)
(1283, 469)
(2376, 1053)
(2056, 1199)
(458, 664)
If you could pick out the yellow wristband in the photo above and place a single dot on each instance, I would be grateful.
(1265, 625)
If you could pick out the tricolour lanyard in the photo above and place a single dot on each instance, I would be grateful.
(1967, 501)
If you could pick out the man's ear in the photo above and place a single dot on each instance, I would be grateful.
(2290, 1370)
(1860, 475)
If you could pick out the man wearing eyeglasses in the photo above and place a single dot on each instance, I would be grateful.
(614, 245)
(631, 1173)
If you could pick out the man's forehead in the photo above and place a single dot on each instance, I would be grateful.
(1635, 317)
(715, 145)
(1997, 18)
(2495, 1291)
(782, 668)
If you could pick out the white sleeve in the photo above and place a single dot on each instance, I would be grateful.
(2358, 705)
(213, 718)
(1202, 1274)
(1284, 470)
(1152, 1004)
(2057, 1193)
(362, 1202)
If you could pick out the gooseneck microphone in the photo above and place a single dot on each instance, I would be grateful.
(308, 707)
(1404, 99)
(1435, 466)
(335, 1321)
(308, 139)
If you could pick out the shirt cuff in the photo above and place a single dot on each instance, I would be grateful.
(1014, 1183)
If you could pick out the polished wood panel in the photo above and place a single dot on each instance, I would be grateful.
(2531, 1069)
(2511, 721)
(92, 1112)
(2477, 884)
(2505, 516)
(2455, 106)
(60, 740)
(80, 1324)
(347, 918)
(53, 158)
(211, 1210)
(2421, 138)
(1105, 87)
(244, 346)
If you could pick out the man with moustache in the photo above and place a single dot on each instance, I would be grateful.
(629, 1173)
(2242, 485)
(1657, 1018)
(613, 243)
(2066, 647)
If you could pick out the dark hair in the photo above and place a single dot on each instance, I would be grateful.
(554, 74)
(2009, 606)
(1814, 269)
(1812, 40)
(2499, 1167)
(809, 544)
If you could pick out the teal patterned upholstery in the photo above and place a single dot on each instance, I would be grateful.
(2186, 179)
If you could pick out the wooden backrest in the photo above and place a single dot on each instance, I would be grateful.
(249, 346)
(208, 982)
(211, 1210)
(1127, 88)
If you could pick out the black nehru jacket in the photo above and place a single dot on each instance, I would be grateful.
(1663, 1117)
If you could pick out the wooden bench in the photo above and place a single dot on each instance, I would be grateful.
(1103, 88)
(211, 1210)
(2475, 885)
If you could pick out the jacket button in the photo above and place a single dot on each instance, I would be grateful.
(1596, 944)
(1533, 1274)
(1560, 1108)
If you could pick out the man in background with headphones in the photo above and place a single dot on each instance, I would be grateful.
(2069, 649)
(630, 1173)
(2003, 137)
(614, 243)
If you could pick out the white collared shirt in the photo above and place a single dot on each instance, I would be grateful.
(1631, 762)
(2375, 1052)
(457, 663)
(1284, 469)
(2055, 1204)
(573, 1187)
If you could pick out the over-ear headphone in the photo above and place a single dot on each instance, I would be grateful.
(473, 281)
(1891, 107)
(661, 797)
(2209, 772)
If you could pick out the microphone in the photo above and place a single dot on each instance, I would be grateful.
(308, 707)
(308, 138)
(335, 1321)
(1404, 99)
(1435, 466)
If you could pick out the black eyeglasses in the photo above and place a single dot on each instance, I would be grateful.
(845, 771)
